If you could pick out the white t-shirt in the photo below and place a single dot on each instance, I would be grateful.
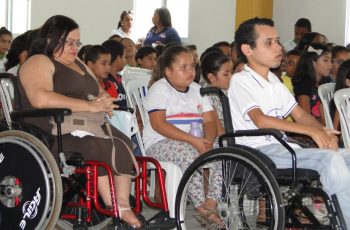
(248, 90)
(13, 70)
(2, 64)
(289, 45)
(181, 108)
(122, 34)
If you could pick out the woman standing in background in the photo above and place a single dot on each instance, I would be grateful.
(125, 24)
(162, 32)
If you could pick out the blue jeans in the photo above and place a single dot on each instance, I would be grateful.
(333, 167)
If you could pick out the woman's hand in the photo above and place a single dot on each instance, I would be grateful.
(103, 103)
(201, 144)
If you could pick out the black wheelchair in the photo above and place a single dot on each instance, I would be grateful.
(38, 193)
(255, 194)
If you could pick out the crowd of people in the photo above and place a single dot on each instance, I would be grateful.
(269, 85)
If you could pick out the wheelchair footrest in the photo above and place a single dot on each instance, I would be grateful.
(161, 221)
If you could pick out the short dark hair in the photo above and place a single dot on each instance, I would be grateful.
(3, 31)
(52, 35)
(246, 34)
(93, 53)
(192, 47)
(293, 53)
(222, 43)
(144, 51)
(82, 51)
(337, 49)
(306, 40)
(115, 48)
(304, 23)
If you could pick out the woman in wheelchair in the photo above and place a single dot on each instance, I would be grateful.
(53, 77)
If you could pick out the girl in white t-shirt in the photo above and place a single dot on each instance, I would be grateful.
(173, 102)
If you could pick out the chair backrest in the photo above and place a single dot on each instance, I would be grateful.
(136, 69)
(342, 102)
(136, 91)
(129, 75)
(326, 93)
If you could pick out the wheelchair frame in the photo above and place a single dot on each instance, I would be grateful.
(88, 168)
(290, 200)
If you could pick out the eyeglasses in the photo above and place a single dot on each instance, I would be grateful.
(72, 44)
(185, 67)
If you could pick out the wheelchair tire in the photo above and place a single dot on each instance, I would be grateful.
(247, 186)
(31, 187)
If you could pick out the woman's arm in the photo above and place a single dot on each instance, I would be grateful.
(304, 103)
(36, 77)
(161, 126)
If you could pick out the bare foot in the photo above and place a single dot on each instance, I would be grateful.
(209, 212)
(128, 216)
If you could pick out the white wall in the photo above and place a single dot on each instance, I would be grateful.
(327, 17)
(96, 19)
(210, 22)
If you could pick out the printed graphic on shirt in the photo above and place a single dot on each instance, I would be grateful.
(183, 120)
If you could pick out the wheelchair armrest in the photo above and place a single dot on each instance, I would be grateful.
(265, 132)
(57, 114)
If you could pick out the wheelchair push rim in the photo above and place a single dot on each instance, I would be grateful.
(232, 209)
(31, 187)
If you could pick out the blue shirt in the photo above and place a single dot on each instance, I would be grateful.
(167, 35)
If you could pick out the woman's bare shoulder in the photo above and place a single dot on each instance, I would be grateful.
(36, 64)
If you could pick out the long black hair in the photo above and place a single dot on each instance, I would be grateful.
(52, 35)
(212, 62)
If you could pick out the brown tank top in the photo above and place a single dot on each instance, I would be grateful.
(68, 82)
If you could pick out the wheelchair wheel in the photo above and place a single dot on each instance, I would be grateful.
(30, 183)
(250, 196)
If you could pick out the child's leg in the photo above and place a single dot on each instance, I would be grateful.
(181, 154)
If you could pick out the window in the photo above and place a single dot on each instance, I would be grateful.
(143, 12)
(347, 23)
(14, 15)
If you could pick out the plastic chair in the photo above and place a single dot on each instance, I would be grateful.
(342, 101)
(326, 93)
(135, 73)
(136, 90)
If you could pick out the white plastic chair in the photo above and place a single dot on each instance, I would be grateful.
(135, 73)
(326, 93)
(342, 102)
(136, 90)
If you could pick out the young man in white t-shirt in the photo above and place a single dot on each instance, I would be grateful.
(259, 100)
